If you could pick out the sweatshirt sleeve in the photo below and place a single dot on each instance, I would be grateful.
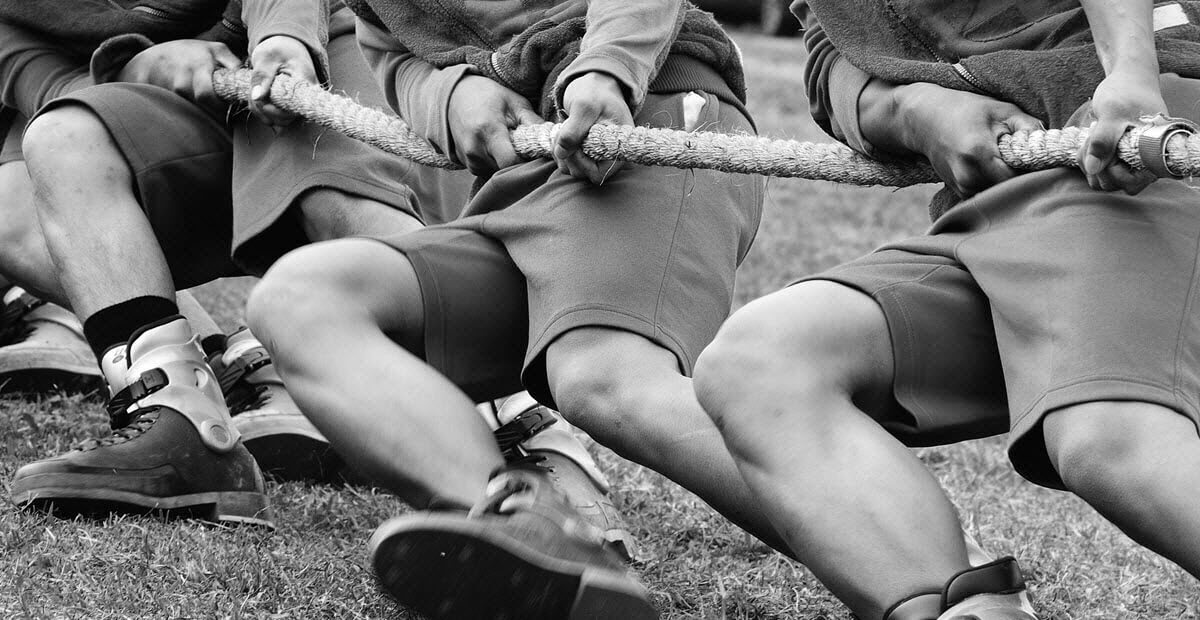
(627, 40)
(833, 85)
(304, 20)
(34, 71)
(418, 91)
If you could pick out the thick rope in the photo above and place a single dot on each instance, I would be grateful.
(1033, 150)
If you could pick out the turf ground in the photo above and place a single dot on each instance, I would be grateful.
(696, 565)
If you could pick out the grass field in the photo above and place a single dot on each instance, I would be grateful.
(697, 566)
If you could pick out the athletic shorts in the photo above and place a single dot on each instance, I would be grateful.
(12, 126)
(1038, 294)
(217, 184)
(652, 251)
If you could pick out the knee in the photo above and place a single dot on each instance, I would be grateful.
(300, 292)
(1096, 453)
(810, 346)
(62, 134)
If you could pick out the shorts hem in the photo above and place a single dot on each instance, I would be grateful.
(1027, 448)
(610, 317)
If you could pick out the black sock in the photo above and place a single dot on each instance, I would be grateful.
(115, 324)
(213, 345)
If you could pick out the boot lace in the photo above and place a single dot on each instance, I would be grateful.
(121, 435)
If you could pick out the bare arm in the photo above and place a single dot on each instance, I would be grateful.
(1124, 35)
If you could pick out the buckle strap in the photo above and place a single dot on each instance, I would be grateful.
(248, 363)
(1002, 576)
(527, 424)
(118, 406)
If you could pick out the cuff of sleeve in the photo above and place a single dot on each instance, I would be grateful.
(634, 86)
(316, 50)
(439, 132)
(112, 55)
(846, 84)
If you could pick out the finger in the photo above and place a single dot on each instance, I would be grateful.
(1127, 179)
(224, 57)
(584, 168)
(1023, 122)
(570, 136)
(1100, 149)
(474, 154)
(1142, 180)
(526, 116)
(261, 79)
(500, 149)
(203, 91)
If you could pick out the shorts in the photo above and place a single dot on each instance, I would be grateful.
(215, 186)
(1035, 295)
(652, 251)
(304, 156)
(12, 127)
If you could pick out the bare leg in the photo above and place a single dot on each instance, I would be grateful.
(789, 381)
(1138, 464)
(328, 214)
(101, 242)
(331, 315)
(23, 254)
(628, 394)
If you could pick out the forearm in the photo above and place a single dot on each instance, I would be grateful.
(1124, 34)
(306, 21)
(627, 40)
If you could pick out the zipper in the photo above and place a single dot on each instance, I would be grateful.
(152, 11)
(962, 72)
(235, 28)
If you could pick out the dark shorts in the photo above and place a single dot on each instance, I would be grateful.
(12, 125)
(652, 251)
(1035, 295)
(216, 186)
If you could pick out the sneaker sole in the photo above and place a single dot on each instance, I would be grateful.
(235, 507)
(455, 568)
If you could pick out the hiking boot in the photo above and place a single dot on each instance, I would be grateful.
(283, 441)
(42, 349)
(522, 553)
(532, 431)
(993, 591)
(172, 448)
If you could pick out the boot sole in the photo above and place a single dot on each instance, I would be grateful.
(287, 449)
(454, 568)
(234, 507)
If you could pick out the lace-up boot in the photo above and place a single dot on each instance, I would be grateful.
(42, 349)
(531, 431)
(285, 444)
(521, 553)
(172, 449)
(993, 591)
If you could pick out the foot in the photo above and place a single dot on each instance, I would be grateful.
(172, 448)
(523, 553)
(42, 349)
(993, 591)
(286, 445)
(540, 433)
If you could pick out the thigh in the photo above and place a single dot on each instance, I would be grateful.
(474, 308)
(947, 381)
(180, 157)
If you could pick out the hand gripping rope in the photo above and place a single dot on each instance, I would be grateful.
(1168, 147)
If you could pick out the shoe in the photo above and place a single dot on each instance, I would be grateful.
(172, 448)
(993, 591)
(522, 553)
(286, 445)
(42, 349)
(532, 431)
